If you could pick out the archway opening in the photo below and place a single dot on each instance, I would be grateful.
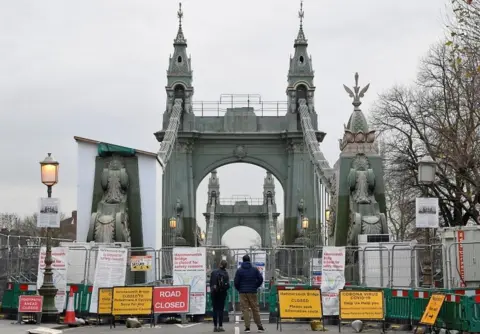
(240, 187)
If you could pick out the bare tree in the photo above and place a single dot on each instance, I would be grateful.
(438, 116)
(9, 221)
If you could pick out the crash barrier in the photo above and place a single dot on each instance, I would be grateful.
(82, 295)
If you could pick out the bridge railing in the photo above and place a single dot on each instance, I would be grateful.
(219, 108)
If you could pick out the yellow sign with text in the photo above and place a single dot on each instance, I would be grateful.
(433, 309)
(141, 263)
(300, 304)
(361, 305)
(104, 301)
(132, 300)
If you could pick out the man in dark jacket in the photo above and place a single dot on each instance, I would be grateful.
(247, 281)
(219, 285)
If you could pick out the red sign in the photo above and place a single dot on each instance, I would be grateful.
(171, 299)
(30, 304)
(461, 264)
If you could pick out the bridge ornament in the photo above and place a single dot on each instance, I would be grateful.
(240, 152)
(366, 217)
(110, 222)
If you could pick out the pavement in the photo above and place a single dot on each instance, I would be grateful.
(10, 327)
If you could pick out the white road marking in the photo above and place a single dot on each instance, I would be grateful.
(237, 330)
(187, 326)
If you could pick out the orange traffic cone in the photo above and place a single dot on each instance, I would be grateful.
(70, 312)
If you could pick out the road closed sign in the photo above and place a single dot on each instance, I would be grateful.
(300, 304)
(171, 299)
(30, 304)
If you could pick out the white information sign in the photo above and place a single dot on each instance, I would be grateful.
(110, 271)
(49, 213)
(426, 212)
(333, 278)
(190, 268)
(59, 266)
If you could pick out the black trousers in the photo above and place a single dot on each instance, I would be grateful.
(218, 304)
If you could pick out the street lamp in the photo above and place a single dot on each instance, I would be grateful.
(304, 223)
(49, 176)
(279, 237)
(173, 226)
(202, 235)
(426, 176)
(426, 170)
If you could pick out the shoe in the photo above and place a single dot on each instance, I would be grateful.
(247, 330)
(220, 329)
(215, 329)
(261, 329)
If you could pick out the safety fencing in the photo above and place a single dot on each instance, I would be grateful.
(392, 267)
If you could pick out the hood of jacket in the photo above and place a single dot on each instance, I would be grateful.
(246, 265)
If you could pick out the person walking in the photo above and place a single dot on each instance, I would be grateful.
(247, 281)
(219, 285)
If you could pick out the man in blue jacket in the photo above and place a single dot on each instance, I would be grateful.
(247, 281)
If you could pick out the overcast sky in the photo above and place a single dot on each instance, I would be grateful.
(97, 69)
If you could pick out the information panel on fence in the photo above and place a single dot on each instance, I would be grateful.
(432, 310)
(104, 301)
(171, 299)
(132, 300)
(362, 305)
(141, 263)
(300, 304)
(30, 304)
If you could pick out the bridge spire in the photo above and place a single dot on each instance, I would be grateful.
(300, 73)
(179, 73)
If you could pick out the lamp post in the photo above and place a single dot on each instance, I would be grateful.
(279, 238)
(426, 176)
(202, 235)
(49, 176)
(173, 226)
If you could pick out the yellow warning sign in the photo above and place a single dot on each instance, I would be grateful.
(361, 305)
(300, 304)
(132, 300)
(104, 301)
(433, 309)
(141, 263)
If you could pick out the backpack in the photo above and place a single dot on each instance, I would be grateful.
(221, 285)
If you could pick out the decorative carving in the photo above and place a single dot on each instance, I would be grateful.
(332, 219)
(310, 103)
(169, 102)
(293, 102)
(110, 222)
(240, 152)
(188, 103)
(357, 129)
(301, 206)
(366, 217)
(178, 207)
(241, 221)
(185, 146)
(295, 147)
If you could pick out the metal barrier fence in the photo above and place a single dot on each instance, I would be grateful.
(382, 265)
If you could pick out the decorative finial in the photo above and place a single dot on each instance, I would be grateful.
(180, 14)
(301, 14)
(356, 93)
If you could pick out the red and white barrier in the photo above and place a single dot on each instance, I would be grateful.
(400, 293)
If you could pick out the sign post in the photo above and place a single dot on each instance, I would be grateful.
(432, 310)
(361, 305)
(31, 305)
(299, 304)
(132, 300)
